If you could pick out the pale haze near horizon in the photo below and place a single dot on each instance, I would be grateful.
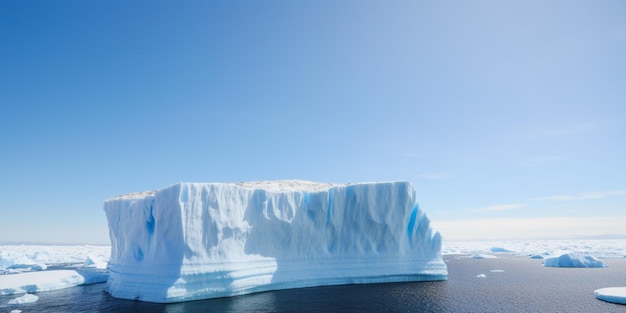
(507, 117)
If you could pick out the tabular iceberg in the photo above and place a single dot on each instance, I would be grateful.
(195, 241)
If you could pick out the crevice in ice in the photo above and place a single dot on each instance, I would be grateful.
(210, 230)
(306, 197)
(137, 253)
(411, 225)
(150, 222)
(210, 236)
(329, 207)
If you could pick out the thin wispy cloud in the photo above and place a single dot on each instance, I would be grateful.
(584, 196)
(500, 207)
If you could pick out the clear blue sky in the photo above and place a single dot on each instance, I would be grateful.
(503, 114)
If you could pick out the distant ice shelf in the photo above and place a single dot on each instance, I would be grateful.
(195, 241)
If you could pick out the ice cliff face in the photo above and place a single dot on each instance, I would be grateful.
(195, 241)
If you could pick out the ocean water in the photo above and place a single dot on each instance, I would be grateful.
(511, 284)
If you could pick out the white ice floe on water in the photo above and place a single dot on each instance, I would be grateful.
(49, 280)
(95, 262)
(17, 263)
(603, 249)
(483, 256)
(209, 240)
(611, 294)
(24, 258)
(481, 276)
(500, 250)
(37, 268)
(27, 298)
(573, 259)
(22, 267)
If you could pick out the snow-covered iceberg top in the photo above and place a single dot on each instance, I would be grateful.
(204, 240)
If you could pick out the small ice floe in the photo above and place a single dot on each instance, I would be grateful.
(481, 276)
(27, 298)
(483, 256)
(497, 271)
(573, 259)
(16, 311)
(21, 268)
(542, 255)
(95, 262)
(611, 294)
(500, 250)
(49, 280)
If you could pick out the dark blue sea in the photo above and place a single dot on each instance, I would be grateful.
(518, 284)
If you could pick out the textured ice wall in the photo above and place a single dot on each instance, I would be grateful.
(204, 240)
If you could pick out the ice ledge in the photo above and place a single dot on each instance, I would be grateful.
(209, 240)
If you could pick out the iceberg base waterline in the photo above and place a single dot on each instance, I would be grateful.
(259, 277)
(194, 241)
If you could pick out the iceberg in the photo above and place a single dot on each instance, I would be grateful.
(192, 241)
(573, 259)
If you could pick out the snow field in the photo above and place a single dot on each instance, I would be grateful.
(25, 269)
(23, 258)
(538, 249)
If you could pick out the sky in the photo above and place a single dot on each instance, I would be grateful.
(506, 116)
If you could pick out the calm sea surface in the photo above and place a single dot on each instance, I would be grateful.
(519, 284)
